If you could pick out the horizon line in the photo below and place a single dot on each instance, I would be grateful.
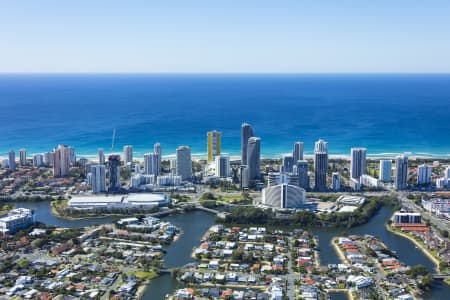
(215, 73)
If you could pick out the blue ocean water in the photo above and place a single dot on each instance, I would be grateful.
(385, 113)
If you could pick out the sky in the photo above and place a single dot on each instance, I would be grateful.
(228, 36)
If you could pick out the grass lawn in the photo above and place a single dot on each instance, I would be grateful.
(144, 275)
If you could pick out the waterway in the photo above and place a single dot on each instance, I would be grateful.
(194, 225)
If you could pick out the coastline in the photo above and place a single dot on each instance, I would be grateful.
(139, 155)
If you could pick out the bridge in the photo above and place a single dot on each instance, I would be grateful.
(186, 266)
(441, 276)
(196, 205)
(164, 213)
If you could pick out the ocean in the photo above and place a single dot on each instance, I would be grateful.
(388, 114)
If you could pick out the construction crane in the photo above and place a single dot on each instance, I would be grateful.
(113, 140)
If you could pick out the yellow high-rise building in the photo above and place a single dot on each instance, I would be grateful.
(213, 144)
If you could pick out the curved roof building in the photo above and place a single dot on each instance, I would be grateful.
(283, 196)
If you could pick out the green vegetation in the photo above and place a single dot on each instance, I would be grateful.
(35, 198)
(419, 271)
(243, 198)
(180, 198)
(5, 208)
(253, 215)
(144, 275)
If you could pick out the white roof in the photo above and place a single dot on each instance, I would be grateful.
(95, 199)
(348, 208)
(147, 197)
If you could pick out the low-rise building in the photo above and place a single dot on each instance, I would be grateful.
(16, 219)
(117, 202)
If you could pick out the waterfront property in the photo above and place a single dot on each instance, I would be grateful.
(119, 202)
(16, 219)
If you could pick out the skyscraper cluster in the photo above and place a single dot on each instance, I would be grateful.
(250, 156)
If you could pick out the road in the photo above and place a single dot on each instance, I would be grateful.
(435, 220)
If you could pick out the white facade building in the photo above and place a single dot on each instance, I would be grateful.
(169, 180)
(16, 219)
(118, 202)
(283, 196)
(437, 206)
(369, 181)
(98, 178)
(151, 164)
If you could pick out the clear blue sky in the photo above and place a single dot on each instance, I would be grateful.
(225, 36)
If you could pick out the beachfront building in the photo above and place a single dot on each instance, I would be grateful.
(358, 162)
(424, 174)
(61, 161)
(142, 201)
(222, 169)
(12, 160)
(101, 156)
(297, 153)
(213, 144)
(254, 160)
(184, 162)
(157, 150)
(127, 155)
(23, 157)
(401, 172)
(320, 165)
(114, 172)
(385, 170)
(246, 133)
(283, 196)
(17, 219)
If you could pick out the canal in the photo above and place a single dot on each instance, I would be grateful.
(194, 225)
